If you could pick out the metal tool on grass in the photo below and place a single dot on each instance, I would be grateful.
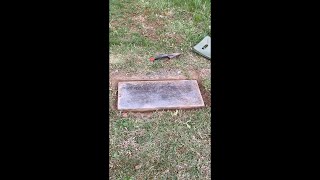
(162, 56)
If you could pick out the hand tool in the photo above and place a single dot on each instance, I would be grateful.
(161, 56)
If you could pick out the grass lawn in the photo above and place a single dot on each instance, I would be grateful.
(161, 144)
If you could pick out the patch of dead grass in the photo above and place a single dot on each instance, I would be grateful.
(116, 59)
(147, 28)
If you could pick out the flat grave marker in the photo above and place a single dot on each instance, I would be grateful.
(155, 95)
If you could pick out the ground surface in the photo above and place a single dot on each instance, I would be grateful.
(171, 144)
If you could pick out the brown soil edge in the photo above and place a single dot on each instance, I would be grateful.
(205, 96)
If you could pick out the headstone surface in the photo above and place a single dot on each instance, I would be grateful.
(154, 95)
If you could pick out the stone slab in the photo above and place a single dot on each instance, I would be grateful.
(155, 95)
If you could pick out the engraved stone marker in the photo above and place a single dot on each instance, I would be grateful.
(154, 95)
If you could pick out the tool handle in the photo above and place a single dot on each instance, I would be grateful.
(160, 56)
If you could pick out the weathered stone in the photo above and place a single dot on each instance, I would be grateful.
(154, 95)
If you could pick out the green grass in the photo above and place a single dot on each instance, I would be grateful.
(207, 84)
(168, 144)
(177, 142)
(145, 27)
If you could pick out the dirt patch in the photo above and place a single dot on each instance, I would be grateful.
(142, 115)
(163, 74)
(205, 73)
(206, 96)
(145, 27)
(115, 59)
(113, 24)
(116, 76)
(177, 38)
(199, 76)
(148, 27)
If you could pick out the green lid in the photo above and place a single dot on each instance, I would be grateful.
(204, 47)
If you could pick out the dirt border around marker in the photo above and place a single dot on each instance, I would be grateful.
(204, 93)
